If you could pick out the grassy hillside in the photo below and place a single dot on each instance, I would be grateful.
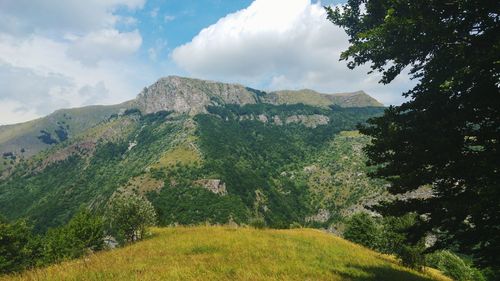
(23, 140)
(310, 97)
(225, 253)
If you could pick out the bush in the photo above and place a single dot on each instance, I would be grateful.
(361, 228)
(15, 250)
(454, 266)
(129, 215)
(412, 256)
(394, 233)
(258, 223)
(84, 233)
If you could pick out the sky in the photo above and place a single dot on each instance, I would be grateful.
(69, 53)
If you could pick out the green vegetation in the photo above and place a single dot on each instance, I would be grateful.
(389, 235)
(446, 134)
(362, 229)
(313, 98)
(21, 249)
(15, 252)
(453, 266)
(228, 253)
(129, 215)
(261, 164)
(51, 196)
(83, 234)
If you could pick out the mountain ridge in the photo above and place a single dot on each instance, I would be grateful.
(172, 93)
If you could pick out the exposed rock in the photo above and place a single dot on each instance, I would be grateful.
(191, 96)
(277, 120)
(131, 145)
(322, 216)
(311, 121)
(214, 185)
(310, 169)
(262, 118)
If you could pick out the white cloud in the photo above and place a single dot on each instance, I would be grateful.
(168, 18)
(39, 76)
(280, 44)
(66, 53)
(154, 12)
(23, 17)
(157, 49)
(105, 44)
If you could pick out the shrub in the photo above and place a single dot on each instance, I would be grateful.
(412, 256)
(15, 249)
(84, 233)
(394, 233)
(129, 215)
(361, 228)
(258, 223)
(454, 266)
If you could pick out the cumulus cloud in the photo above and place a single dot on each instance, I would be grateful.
(28, 16)
(105, 44)
(60, 53)
(280, 44)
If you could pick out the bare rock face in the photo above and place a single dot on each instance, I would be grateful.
(322, 216)
(214, 185)
(191, 96)
(311, 121)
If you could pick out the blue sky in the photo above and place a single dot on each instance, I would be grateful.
(70, 53)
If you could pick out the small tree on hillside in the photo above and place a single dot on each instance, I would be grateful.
(129, 215)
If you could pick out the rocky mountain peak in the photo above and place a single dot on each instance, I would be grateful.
(191, 96)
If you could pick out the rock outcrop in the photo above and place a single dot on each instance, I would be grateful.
(214, 185)
(191, 96)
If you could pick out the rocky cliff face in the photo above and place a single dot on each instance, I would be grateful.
(191, 96)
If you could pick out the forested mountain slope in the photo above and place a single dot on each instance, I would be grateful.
(203, 152)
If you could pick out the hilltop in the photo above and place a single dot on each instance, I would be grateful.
(226, 253)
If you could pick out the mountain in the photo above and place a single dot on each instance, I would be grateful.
(200, 151)
(225, 253)
(183, 95)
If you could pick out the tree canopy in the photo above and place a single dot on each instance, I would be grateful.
(447, 134)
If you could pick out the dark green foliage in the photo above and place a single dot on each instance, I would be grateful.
(62, 133)
(128, 217)
(454, 266)
(46, 137)
(84, 233)
(361, 228)
(412, 256)
(15, 250)
(195, 205)
(249, 156)
(446, 135)
(387, 235)
(21, 249)
(394, 233)
(182, 202)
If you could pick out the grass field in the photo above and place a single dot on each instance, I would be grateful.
(225, 253)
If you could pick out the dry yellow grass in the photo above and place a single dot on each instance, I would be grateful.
(225, 253)
(185, 153)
